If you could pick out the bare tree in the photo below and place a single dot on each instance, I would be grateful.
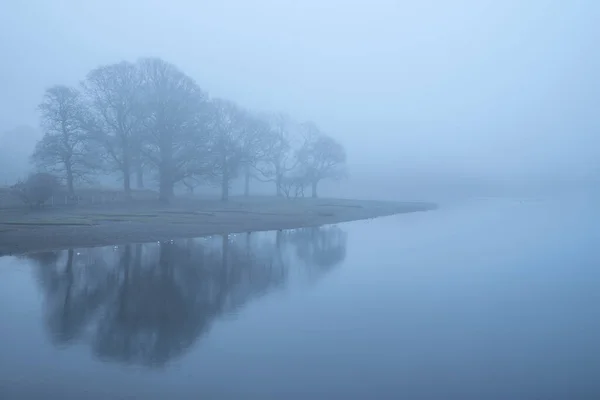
(177, 141)
(140, 163)
(321, 157)
(65, 148)
(279, 158)
(191, 183)
(293, 185)
(254, 145)
(228, 127)
(150, 116)
(115, 93)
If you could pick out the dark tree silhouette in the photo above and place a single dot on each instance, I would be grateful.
(227, 125)
(149, 116)
(116, 98)
(177, 141)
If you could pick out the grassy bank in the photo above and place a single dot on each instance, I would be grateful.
(27, 231)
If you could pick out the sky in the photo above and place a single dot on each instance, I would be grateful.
(449, 87)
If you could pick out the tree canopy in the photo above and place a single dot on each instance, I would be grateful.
(149, 117)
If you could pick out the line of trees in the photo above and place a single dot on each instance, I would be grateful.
(149, 117)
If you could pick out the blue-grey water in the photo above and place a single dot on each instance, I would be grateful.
(485, 299)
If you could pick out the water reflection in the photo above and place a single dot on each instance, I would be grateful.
(319, 249)
(147, 304)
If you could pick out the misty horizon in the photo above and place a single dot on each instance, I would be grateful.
(286, 199)
(475, 89)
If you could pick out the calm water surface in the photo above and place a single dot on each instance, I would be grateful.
(490, 299)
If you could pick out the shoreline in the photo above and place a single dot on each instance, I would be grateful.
(26, 231)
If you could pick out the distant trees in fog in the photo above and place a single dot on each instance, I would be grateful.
(115, 104)
(65, 148)
(320, 157)
(150, 117)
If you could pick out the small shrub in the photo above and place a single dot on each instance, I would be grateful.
(36, 189)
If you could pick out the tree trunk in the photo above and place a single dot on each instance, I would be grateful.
(126, 167)
(247, 182)
(165, 191)
(139, 177)
(166, 167)
(278, 179)
(314, 189)
(278, 185)
(225, 174)
(70, 186)
(126, 178)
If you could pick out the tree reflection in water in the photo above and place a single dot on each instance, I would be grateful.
(319, 248)
(147, 304)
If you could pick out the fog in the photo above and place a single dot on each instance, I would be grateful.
(132, 267)
(444, 90)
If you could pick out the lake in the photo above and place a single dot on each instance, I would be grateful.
(481, 299)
